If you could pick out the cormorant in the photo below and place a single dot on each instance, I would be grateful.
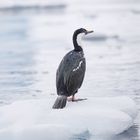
(71, 72)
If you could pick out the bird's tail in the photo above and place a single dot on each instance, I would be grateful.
(60, 102)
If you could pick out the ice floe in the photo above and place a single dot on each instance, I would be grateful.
(35, 119)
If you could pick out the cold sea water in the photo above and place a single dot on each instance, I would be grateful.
(34, 37)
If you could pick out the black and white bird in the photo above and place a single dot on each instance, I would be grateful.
(71, 71)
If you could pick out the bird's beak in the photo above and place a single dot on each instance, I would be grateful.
(88, 32)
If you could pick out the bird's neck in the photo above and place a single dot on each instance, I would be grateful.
(77, 47)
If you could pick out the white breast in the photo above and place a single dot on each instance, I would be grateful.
(79, 38)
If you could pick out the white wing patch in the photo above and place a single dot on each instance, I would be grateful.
(78, 66)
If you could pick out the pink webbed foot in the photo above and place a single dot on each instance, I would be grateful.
(72, 98)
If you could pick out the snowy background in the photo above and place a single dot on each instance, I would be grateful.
(36, 34)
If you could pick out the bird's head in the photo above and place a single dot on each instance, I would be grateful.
(82, 31)
(77, 36)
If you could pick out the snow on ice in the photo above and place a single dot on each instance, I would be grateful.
(35, 119)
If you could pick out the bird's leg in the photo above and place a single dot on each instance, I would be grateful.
(79, 99)
(72, 98)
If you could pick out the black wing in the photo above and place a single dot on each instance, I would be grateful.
(70, 73)
(74, 79)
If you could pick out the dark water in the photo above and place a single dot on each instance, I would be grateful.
(34, 39)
